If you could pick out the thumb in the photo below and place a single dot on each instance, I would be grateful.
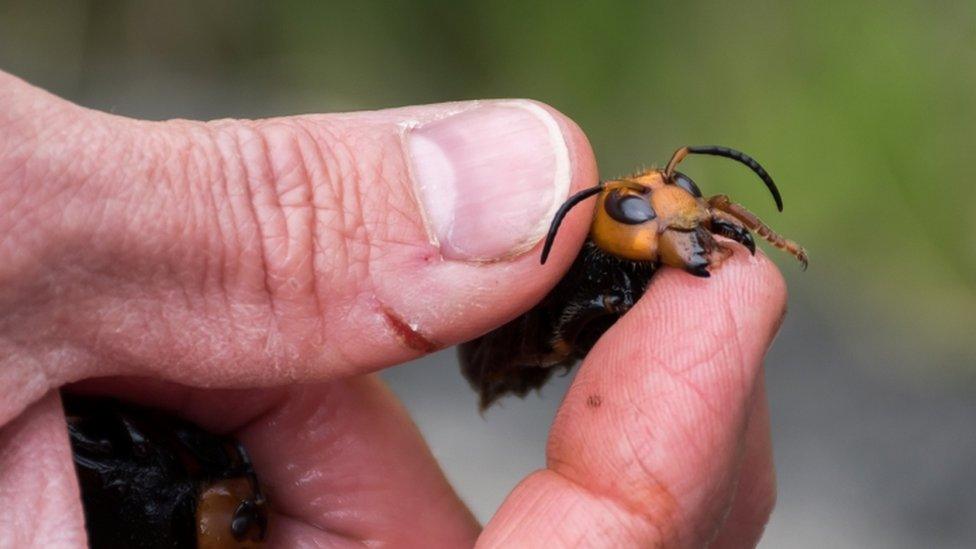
(241, 252)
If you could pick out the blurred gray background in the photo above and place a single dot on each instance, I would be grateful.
(864, 111)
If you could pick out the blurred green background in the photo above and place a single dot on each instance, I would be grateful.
(864, 113)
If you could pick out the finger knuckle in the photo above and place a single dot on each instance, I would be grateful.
(295, 191)
(323, 198)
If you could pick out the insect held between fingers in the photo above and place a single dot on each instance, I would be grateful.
(149, 480)
(640, 222)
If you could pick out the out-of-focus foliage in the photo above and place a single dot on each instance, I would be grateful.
(864, 112)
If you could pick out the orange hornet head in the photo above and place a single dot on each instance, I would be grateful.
(660, 216)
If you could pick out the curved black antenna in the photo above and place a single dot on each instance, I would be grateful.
(716, 150)
(561, 213)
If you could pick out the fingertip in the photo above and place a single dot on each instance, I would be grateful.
(746, 294)
(661, 403)
(489, 175)
(756, 294)
(582, 159)
(480, 274)
(585, 174)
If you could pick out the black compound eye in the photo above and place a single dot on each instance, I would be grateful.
(630, 209)
(687, 184)
(250, 522)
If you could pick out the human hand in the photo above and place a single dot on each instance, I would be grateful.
(249, 275)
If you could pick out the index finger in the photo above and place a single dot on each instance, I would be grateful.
(645, 447)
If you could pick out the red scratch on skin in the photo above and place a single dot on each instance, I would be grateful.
(406, 334)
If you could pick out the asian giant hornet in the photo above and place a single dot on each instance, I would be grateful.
(149, 480)
(641, 222)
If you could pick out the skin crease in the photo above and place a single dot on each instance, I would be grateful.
(237, 258)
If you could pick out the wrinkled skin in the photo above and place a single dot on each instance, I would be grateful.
(238, 258)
